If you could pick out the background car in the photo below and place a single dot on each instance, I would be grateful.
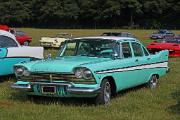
(11, 52)
(162, 33)
(171, 44)
(21, 36)
(119, 34)
(54, 41)
(95, 67)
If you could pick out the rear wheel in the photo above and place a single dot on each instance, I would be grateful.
(153, 82)
(26, 43)
(104, 96)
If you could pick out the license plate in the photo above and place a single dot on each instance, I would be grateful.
(48, 89)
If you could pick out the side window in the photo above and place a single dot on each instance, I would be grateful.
(7, 42)
(137, 49)
(70, 49)
(126, 50)
(145, 52)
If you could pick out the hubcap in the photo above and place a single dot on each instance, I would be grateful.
(153, 82)
(107, 92)
(26, 43)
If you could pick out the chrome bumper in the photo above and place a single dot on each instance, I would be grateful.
(69, 87)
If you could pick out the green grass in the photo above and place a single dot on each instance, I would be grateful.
(139, 103)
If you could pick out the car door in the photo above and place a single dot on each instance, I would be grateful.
(142, 59)
(127, 75)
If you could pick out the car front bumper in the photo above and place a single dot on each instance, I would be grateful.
(69, 90)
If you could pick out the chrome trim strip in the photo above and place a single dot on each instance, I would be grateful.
(22, 86)
(79, 90)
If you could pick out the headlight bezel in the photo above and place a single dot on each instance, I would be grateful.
(83, 73)
(23, 71)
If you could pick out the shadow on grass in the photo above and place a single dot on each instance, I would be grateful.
(22, 97)
(175, 109)
(7, 78)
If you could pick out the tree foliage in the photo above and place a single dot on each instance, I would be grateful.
(91, 13)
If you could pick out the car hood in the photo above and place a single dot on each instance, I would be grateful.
(164, 45)
(61, 64)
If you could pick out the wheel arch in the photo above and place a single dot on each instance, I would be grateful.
(113, 84)
(157, 75)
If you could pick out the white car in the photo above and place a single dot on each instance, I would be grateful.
(11, 52)
(54, 41)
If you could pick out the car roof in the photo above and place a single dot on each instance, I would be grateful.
(8, 34)
(110, 38)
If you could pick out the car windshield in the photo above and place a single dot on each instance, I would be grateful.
(20, 33)
(162, 31)
(88, 47)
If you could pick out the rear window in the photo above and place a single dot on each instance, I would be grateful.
(7, 42)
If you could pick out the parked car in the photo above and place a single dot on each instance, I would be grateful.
(95, 67)
(163, 33)
(119, 34)
(171, 44)
(11, 52)
(22, 37)
(54, 41)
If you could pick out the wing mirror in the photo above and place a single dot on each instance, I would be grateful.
(49, 56)
(114, 56)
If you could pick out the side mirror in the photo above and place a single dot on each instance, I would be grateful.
(114, 56)
(49, 56)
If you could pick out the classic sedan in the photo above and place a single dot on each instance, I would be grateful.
(163, 33)
(97, 67)
(55, 41)
(171, 44)
(11, 52)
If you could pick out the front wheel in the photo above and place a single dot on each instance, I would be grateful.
(153, 82)
(104, 96)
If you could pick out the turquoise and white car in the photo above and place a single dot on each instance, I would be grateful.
(11, 52)
(95, 67)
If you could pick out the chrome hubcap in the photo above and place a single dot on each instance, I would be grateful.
(153, 82)
(107, 92)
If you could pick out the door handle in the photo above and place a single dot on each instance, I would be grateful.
(136, 60)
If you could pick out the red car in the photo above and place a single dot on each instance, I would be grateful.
(21, 37)
(171, 44)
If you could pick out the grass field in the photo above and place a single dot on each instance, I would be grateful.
(139, 103)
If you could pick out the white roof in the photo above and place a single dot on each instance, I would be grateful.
(8, 34)
(108, 37)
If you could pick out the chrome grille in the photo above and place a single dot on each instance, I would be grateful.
(55, 77)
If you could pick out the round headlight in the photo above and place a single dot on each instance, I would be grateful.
(78, 73)
(83, 73)
(21, 71)
(87, 74)
(26, 72)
